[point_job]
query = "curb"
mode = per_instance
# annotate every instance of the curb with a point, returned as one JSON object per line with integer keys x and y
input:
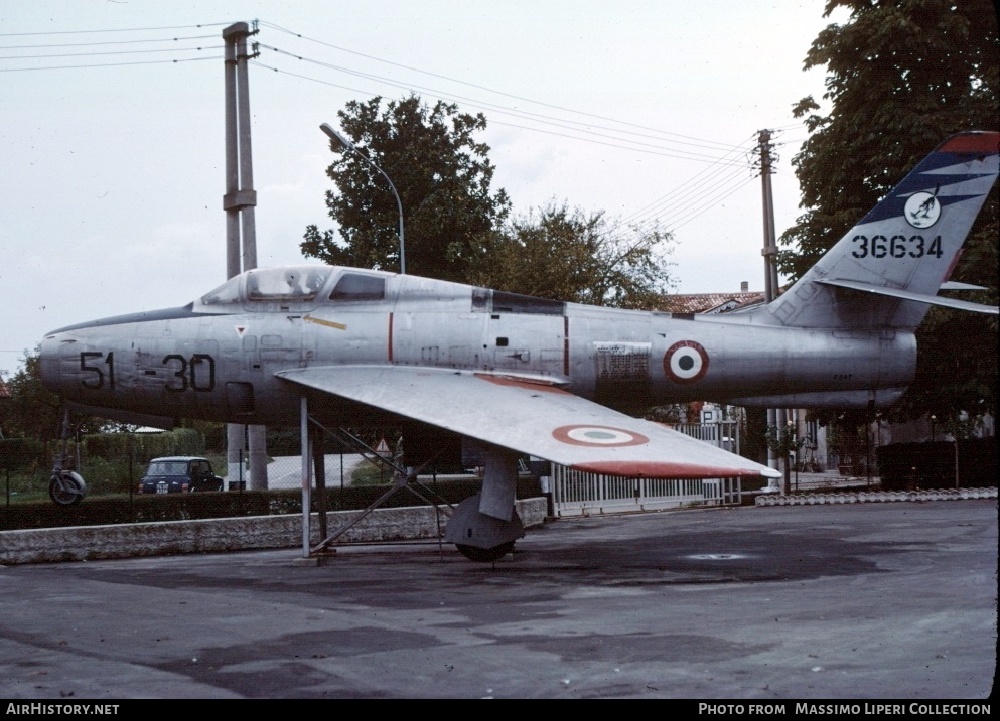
{"x": 941, "y": 494}
{"x": 250, "y": 533}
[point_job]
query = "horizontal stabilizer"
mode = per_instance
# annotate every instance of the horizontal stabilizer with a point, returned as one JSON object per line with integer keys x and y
{"x": 908, "y": 295}
{"x": 955, "y": 285}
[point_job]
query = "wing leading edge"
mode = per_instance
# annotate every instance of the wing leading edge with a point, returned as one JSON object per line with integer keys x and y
{"x": 530, "y": 416}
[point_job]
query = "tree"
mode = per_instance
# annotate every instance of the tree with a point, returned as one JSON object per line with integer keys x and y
{"x": 443, "y": 177}
{"x": 564, "y": 255}
{"x": 31, "y": 411}
{"x": 902, "y": 76}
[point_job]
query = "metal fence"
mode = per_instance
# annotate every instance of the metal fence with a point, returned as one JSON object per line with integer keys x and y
{"x": 581, "y": 493}
{"x": 724, "y": 434}
{"x": 286, "y": 471}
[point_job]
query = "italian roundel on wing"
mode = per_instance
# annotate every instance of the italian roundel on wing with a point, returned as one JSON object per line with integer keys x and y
{"x": 685, "y": 362}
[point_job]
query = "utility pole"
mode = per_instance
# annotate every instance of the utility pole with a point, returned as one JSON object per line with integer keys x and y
{"x": 239, "y": 203}
{"x": 776, "y": 418}
{"x": 770, "y": 251}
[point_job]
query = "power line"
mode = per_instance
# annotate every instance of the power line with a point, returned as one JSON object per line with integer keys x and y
{"x": 638, "y": 146}
{"x": 688, "y": 200}
{"x": 699, "y": 199}
{"x": 574, "y": 128}
{"x": 687, "y": 215}
{"x": 108, "y": 42}
{"x": 111, "y": 30}
{"x": 497, "y": 92}
{"x": 106, "y": 52}
{"x": 106, "y": 65}
{"x": 640, "y": 221}
{"x": 519, "y": 113}
{"x": 681, "y": 192}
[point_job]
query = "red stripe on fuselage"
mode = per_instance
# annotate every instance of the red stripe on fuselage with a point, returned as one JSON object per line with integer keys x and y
{"x": 566, "y": 345}
{"x": 390, "y": 337}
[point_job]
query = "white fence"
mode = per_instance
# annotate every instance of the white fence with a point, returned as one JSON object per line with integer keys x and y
{"x": 724, "y": 434}
{"x": 580, "y": 493}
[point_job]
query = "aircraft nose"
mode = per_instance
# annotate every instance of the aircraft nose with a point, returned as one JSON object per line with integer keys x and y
{"x": 48, "y": 361}
{"x": 59, "y": 360}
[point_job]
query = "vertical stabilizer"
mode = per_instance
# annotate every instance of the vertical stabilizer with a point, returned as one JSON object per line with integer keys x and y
{"x": 904, "y": 248}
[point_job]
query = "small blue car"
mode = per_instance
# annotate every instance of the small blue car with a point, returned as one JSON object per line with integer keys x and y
{"x": 180, "y": 474}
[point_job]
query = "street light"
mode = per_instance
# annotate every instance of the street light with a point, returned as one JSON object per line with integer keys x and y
{"x": 347, "y": 144}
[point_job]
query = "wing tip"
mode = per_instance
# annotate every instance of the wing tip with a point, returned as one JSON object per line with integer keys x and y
{"x": 667, "y": 469}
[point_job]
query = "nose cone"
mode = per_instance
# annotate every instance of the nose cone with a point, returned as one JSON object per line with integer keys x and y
{"x": 48, "y": 361}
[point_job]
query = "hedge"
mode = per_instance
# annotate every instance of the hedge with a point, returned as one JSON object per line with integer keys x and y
{"x": 98, "y": 511}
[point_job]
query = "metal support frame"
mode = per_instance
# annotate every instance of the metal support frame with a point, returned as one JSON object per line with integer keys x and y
{"x": 306, "y": 456}
{"x": 402, "y": 478}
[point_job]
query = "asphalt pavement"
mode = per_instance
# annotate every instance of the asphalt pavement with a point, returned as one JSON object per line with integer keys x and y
{"x": 866, "y": 601}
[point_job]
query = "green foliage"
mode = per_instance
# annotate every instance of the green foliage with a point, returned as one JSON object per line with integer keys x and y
{"x": 956, "y": 368}
{"x": 913, "y": 466}
{"x": 214, "y": 433}
{"x": 111, "y": 463}
{"x": 21, "y": 453}
{"x": 31, "y": 411}
{"x": 443, "y": 177}
{"x": 457, "y": 228}
{"x": 190, "y": 506}
{"x": 143, "y": 446}
{"x": 753, "y": 438}
{"x": 110, "y": 476}
{"x": 902, "y": 77}
{"x": 784, "y": 441}
{"x": 370, "y": 474}
{"x": 563, "y": 255}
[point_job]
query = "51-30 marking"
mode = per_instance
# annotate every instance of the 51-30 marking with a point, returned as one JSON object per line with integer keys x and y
{"x": 196, "y": 373}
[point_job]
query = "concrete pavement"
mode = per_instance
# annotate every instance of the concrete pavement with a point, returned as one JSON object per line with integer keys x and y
{"x": 867, "y": 601}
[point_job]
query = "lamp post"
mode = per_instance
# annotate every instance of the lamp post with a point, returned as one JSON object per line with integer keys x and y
{"x": 348, "y": 145}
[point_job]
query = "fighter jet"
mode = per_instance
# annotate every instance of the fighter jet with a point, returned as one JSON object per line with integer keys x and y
{"x": 518, "y": 375}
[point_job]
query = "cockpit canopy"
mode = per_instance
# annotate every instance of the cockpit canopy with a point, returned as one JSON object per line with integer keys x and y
{"x": 297, "y": 285}
{"x": 294, "y": 284}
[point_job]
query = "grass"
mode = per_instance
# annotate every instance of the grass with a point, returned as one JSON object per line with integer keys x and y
{"x": 369, "y": 474}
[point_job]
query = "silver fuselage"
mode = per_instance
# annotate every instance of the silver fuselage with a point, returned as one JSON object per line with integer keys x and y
{"x": 216, "y": 358}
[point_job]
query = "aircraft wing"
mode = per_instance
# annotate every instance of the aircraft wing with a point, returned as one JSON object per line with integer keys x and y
{"x": 530, "y": 415}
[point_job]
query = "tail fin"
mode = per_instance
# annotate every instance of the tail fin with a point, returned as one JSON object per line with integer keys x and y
{"x": 903, "y": 250}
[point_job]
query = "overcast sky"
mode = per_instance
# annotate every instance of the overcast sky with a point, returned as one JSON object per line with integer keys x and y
{"x": 113, "y": 156}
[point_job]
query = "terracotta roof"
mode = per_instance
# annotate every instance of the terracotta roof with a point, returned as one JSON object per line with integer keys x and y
{"x": 709, "y": 302}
